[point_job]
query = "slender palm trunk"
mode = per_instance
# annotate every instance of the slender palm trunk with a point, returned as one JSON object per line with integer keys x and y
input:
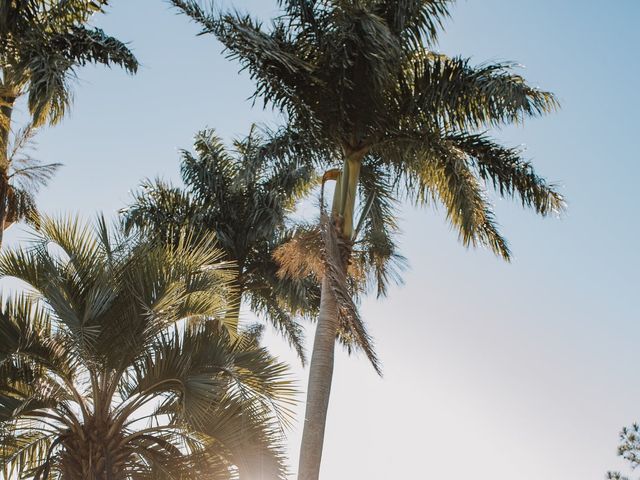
{"x": 322, "y": 358}
{"x": 4, "y": 192}
{"x": 319, "y": 388}
{"x": 6, "y": 110}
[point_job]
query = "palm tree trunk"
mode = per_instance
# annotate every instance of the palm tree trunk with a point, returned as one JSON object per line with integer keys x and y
{"x": 319, "y": 388}
{"x": 321, "y": 366}
{"x": 6, "y": 110}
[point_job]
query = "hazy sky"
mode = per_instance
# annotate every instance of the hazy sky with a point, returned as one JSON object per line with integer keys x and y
{"x": 492, "y": 371}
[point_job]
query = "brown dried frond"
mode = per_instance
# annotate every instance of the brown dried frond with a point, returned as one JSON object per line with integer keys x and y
{"x": 301, "y": 256}
{"x": 336, "y": 254}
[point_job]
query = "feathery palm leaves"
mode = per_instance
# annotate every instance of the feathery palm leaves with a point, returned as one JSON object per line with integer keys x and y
{"x": 42, "y": 43}
{"x": 360, "y": 78}
{"x": 118, "y": 364}
{"x": 243, "y": 197}
{"x": 26, "y": 176}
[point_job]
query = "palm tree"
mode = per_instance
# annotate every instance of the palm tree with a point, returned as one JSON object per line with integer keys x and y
{"x": 361, "y": 79}
{"x": 243, "y": 197}
{"x": 118, "y": 364}
{"x": 42, "y": 43}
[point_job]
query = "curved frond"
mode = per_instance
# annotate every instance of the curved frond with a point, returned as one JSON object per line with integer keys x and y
{"x": 453, "y": 94}
{"x": 117, "y": 325}
{"x": 508, "y": 173}
{"x": 418, "y": 21}
{"x": 43, "y": 43}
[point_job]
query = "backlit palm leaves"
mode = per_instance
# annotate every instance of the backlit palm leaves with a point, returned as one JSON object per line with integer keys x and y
{"x": 360, "y": 78}
{"x": 26, "y": 176}
{"x": 357, "y": 76}
{"x": 42, "y": 43}
{"x": 242, "y": 195}
{"x": 118, "y": 364}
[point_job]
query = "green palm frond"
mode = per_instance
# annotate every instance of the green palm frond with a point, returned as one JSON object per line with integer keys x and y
{"x": 242, "y": 195}
{"x": 352, "y": 330}
{"x": 119, "y": 326}
{"x": 450, "y": 92}
{"x": 262, "y": 303}
{"x": 25, "y": 176}
{"x": 45, "y": 42}
{"x": 359, "y": 82}
{"x": 466, "y": 204}
{"x": 507, "y": 172}
{"x": 417, "y": 21}
{"x": 375, "y": 247}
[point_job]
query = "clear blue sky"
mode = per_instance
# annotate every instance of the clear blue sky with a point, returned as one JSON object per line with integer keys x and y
{"x": 492, "y": 371}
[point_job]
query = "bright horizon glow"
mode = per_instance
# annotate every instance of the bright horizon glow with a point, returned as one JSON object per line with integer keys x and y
{"x": 493, "y": 371}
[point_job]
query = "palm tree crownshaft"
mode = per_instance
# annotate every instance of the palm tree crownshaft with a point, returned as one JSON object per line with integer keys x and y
{"x": 344, "y": 200}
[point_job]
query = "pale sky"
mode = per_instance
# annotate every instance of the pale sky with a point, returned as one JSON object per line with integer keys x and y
{"x": 492, "y": 371}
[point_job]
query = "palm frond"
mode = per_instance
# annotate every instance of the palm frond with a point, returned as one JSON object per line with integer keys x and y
{"x": 119, "y": 324}
{"x": 452, "y": 93}
{"x": 508, "y": 173}
{"x": 279, "y": 316}
{"x": 450, "y": 180}
{"x": 418, "y": 21}
{"x": 42, "y": 46}
{"x": 376, "y": 247}
{"x": 353, "y": 330}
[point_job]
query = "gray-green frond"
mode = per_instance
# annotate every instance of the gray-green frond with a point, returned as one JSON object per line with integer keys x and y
{"x": 508, "y": 173}
{"x": 454, "y": 169}
{"x": 450, "y": 92}
{"x": 267, "y": 55}
{"x": 282, "y": 300}
{"x": 162, "y": 209}
{"x": 467, "y": 206}
{"x": 99, "y": 296}
{"x": 418, "y": 21}
{"x": 26, "y": 175}
{"x": 241, "y": 195}
{"x": 49, "y": 69}
{"x": 43, "y": 43}
{"x": 86, "y": 45}
{"x": 119, "y": 363}
{"x": 375, "y": 245}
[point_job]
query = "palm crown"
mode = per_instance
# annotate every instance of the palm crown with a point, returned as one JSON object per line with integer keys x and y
{"x": 361, "y": 82}
{"x": 42, "y": 43}
{"x": 119, "y": 366}
{"x": 360, "y": 79}
{"x": 243, "y": 197}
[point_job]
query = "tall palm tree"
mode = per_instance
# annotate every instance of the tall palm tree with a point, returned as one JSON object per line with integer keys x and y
{"x": 118, "y": 364}
{"x": 243, "y": 196}
{"x": 42, "y": 43}
{"x": 361, "y": 79}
